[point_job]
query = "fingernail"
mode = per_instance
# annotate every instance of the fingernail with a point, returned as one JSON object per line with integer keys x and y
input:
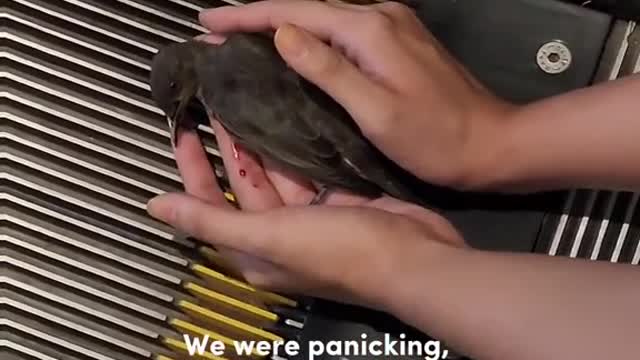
{"x": 205, "y": 12}
{"x": 212, "y": 10}
{"x": 160, "y": 207}
{"x": 152, "y": 205}
{"x": 291, "y": 41}
{"x": 215, "y": 39}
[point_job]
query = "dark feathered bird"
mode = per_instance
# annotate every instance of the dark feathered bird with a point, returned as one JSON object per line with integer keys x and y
{"x": 272, "y": 111}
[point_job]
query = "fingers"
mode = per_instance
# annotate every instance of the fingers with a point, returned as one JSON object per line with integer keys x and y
{"x": 197, "y": 174}
{"x": 286, "y": 236}
{"x": 228, "y": 228}
{"x": 274, "y": 236}
{"x": 248, "y": 180}
{"x": 402, "y": 16}
{"x": 361, "y": 82}
{"x": 432, "y": 221}
{"x": 258, "y": 272}
{"x": 332, "y": 72}
{"x": 212, "y": 38}
{"x": 318, "y": 17}
{"x": 339, "y": 197}
{"x": 283, "y": 236}
{"x": 199, "y": 179}
{"x": 293, "y": 189}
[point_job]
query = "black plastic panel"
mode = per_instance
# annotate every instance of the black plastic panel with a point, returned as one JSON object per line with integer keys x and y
{"x": 498, "y": 40}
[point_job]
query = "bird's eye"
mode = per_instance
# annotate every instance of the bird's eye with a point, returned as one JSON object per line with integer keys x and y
{"x": 172, "y": 84}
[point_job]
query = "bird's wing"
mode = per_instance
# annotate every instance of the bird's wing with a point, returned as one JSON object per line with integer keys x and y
{"x": 274, "y": 117}
{"x": 274, "y": 112}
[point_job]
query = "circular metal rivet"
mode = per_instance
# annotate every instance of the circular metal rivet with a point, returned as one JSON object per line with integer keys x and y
{"x": 554, "y": 57}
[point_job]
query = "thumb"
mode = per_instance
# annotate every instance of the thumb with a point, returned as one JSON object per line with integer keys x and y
{"x": 247, "y": 232}
{"x": 202, "y": 220}
{"x": 331, "y": 71}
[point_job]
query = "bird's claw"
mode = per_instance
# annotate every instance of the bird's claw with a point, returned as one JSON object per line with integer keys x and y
{"x": 173, "y": 131}
{"x": 321, "y": 196}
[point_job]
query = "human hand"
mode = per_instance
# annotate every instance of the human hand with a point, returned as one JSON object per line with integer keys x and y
{"x": 341, "y": 251}
{"x": 408, "y": 95}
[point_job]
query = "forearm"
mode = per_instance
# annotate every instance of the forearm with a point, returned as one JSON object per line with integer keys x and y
{"x": 586, "y": 138}
{"x": 495, "y": 306}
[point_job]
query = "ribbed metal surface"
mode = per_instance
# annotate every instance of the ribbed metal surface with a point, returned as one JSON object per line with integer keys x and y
{"x": 595, "y": 224}
{"x": 86, "y": 273}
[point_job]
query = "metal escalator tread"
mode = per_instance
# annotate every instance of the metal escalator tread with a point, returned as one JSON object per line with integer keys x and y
{"x": 86, "y": 273}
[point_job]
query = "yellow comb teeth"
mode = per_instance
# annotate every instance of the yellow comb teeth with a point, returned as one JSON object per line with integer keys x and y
{"x": 226, "y": 324}
{"x": 181, "y": 347}
{"x": 220, "y": 262}
{"x": 222, "y": 309}
{"x": 189, "y": 328}
{"x": 228, "y": 305}
{"x": 195, "y": 330}
{"x": 162, "y": 357}
{"x": 240, "y": 288}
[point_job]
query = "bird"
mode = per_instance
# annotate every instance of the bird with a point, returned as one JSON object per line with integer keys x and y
{"x": 270, "y": 110}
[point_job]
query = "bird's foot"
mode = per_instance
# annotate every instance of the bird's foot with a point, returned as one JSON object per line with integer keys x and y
{"x": 180, "y": 237}
{"x": 321, "y": 196}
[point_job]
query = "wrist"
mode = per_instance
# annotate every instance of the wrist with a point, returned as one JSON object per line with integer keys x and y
{"x": 414, "y": 272}
{"x": 489, "y": 150}
{"x": 438, "y": 283}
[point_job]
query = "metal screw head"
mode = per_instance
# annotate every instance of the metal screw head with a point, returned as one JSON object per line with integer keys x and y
{"x": 554, "y": 57}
